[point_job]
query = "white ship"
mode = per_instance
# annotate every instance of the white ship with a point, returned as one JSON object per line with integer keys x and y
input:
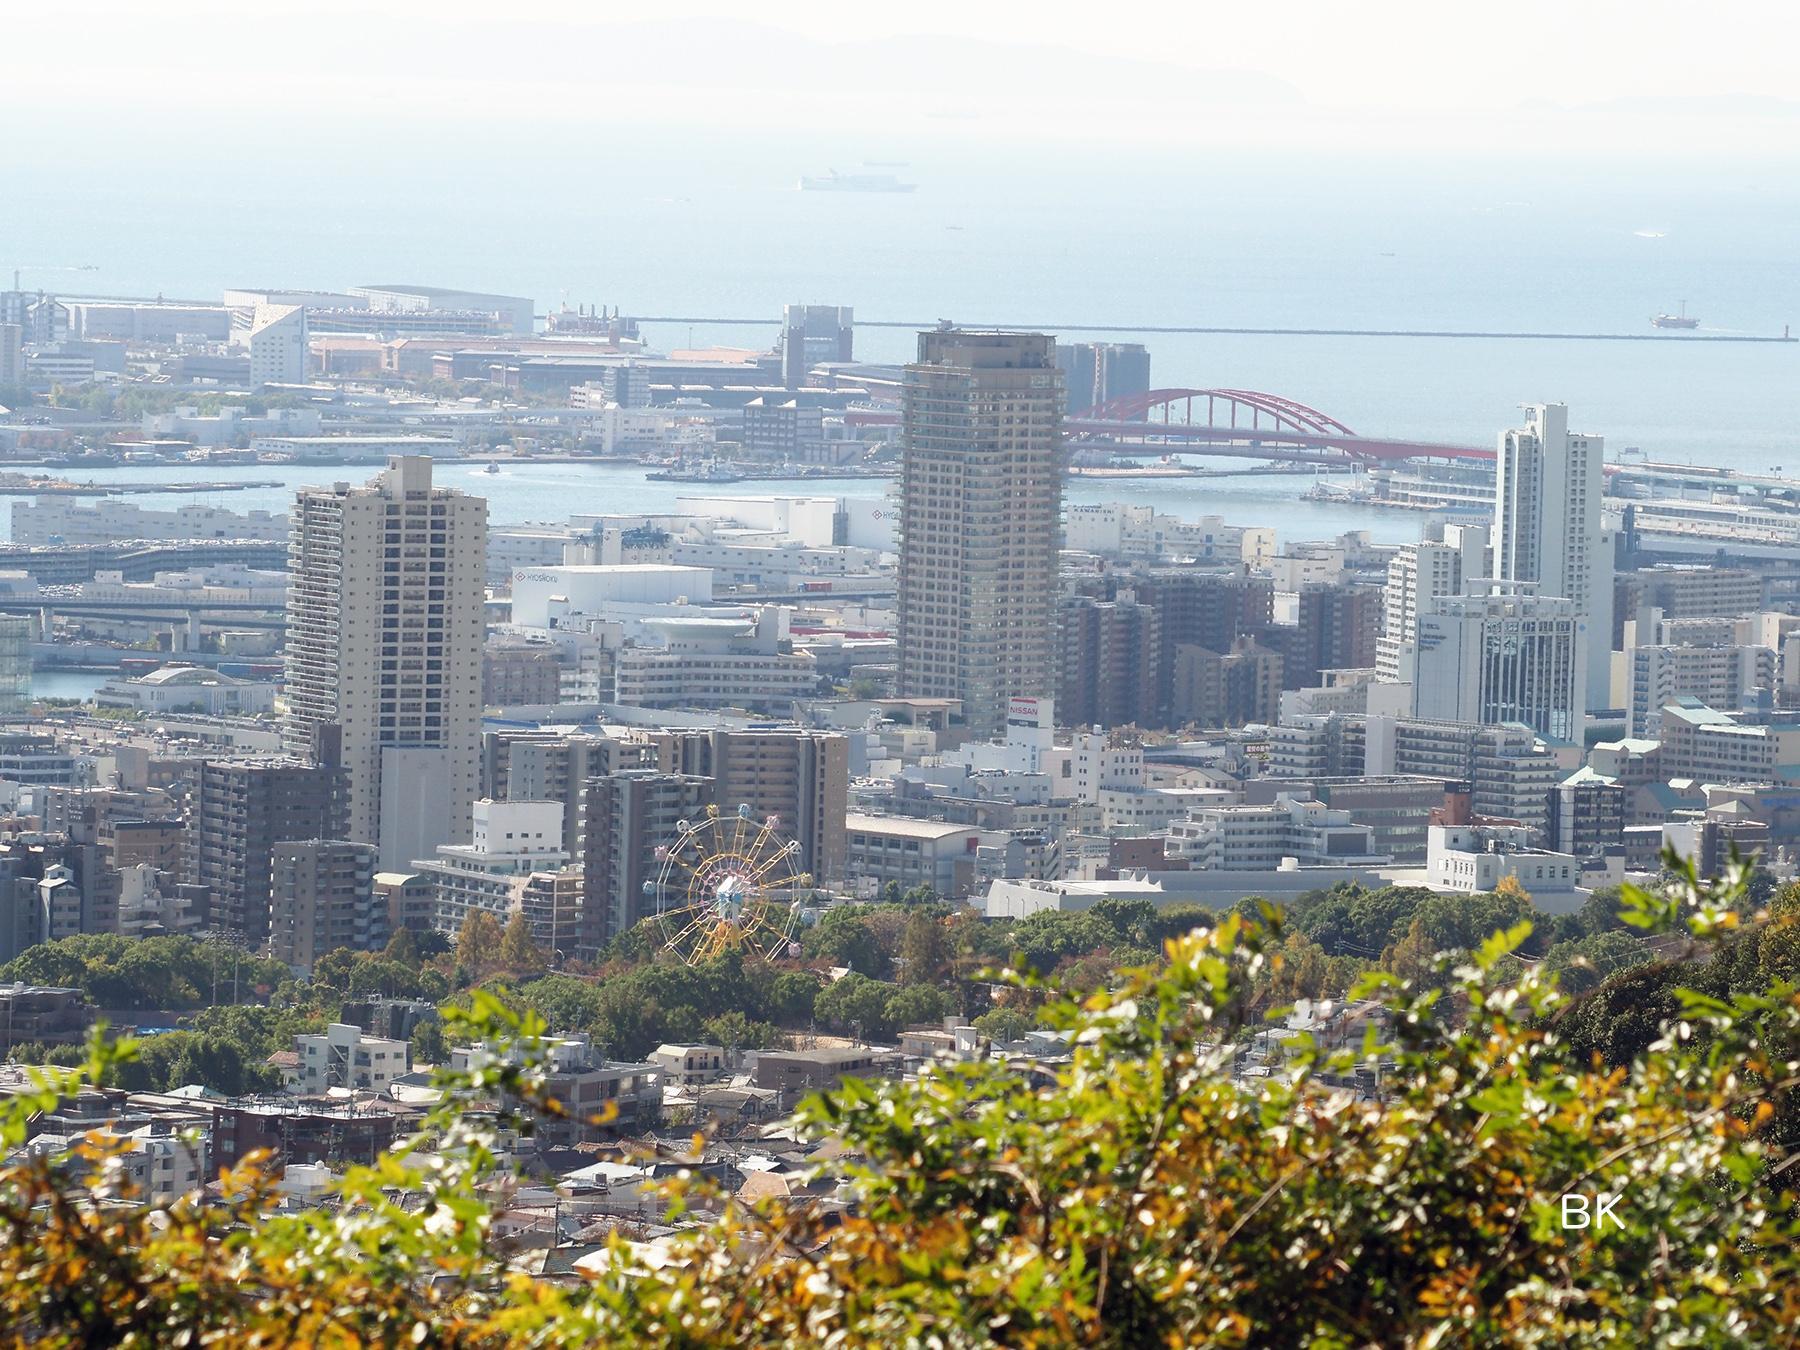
{"x": 834, "y": 181}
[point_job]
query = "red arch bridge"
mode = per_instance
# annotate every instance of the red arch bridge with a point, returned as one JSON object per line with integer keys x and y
{"x": 1241, "y": 424}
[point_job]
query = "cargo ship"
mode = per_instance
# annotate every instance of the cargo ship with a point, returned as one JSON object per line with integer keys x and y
{"x": 1680, "y": 320}
{"x": 833, "y": 181}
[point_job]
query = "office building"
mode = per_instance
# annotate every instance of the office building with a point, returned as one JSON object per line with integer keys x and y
{"x": 322, "y": 897}
{"x": 515, "y": 313}
{"x": 910, "y": 853}
{"x": 1509, "y": 656}
{"x": 385, "y": 629}
{"x": 705, "y": 662}
{"x": 783, "y": 430}
{"x": 519, "y": 672}
{"x": 1587, "y": 815}
{"x": 980, "y": 521}
{"x": 629, "y": 815}
{"x": 278, "y": 350}
{"x": 1108, "y": 657}
{"x": 1548, "y": 532}
{"x": 802, "y": 778}
{"x": 241, "y": 810}
{"x": 1720, "y": 676}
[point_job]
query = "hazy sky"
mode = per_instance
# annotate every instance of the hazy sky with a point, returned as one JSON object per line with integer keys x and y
{"x": 1643, "y": 75}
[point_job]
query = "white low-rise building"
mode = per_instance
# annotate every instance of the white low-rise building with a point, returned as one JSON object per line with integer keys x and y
{"x": 188, "y": 689}
{"x": 514, "y": 863}
{"x": 1293, "y": 830}
{"x": 1472, "y": 860}
{"x": 716, "y": 663}
{"x": 346, "y": 1056}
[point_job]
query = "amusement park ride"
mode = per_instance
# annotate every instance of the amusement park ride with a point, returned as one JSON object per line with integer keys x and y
{"x": 727, "y": 882}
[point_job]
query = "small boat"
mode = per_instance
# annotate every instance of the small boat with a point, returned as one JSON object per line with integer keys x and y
{"x": 492, "y": 467}
{"x": 1680, "y": 320}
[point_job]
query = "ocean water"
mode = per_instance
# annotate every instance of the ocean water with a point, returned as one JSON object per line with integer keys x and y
{"x": 657, "y": 225}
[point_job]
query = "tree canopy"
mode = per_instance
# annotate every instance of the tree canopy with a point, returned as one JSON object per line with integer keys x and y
{"x": 1144, "y": 1192}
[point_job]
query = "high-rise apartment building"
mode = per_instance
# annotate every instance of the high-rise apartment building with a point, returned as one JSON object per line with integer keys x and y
{"x": 811, "y": 334}
{"x": 1547, "y": 529}
{"x": 802, "y": 778}
{"x": 1339, "y": 628}
{"x": 1720, "y": 675}
{"x": 629, "y": 815}
{"x": 980, "y": 521}
{"x": 385, "y": 625}
{"x": 322, "y": 897}
{"x": 12, "y": 356}
{"x": 1202, "y": 609}
{"x": 1417, "y": 576}
{"x": 1109, "y": 652}
{"x": 1098, "y": 372}
{"x": 241, "y": 810}
{"x": 1510, "y": 656}
{"x": 1226, "y": 689}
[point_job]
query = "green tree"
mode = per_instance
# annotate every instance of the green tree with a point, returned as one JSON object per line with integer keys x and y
{"x": 734, "y": 1031}
{"x": 914, "y": 1005}
{"x": 403, "y": 947}
{"x": 1004, "y": 1025}
{"x": 856, "y": 1004}
{"x": 924, "y": 951}
{"x": 428, "y": 1043}
{"x": 478, "y": 942}
{"x": 1136, "y": 1194}
{"x": 843, "y": 936}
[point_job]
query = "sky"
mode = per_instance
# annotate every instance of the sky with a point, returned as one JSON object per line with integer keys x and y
{"x": 1645, "y": 77}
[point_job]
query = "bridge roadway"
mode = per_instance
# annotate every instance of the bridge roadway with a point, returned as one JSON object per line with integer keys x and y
{"x": 155, "y": 611}
{"x": 1281, "y": 446}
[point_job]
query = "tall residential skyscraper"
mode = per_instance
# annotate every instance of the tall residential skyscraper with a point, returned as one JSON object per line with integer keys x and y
{"x": 385, "y": 625}
{"x": 1417, "y": 576}
{"x": 980, "y": 521}
{"x": 1547, "y": 528}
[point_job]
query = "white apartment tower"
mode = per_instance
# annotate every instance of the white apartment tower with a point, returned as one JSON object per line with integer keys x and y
{"x": 1547, "y": 528}
{"x": 1417, "y": 576}
{"x": 385, "y": 627}
{"x": 278, "y": 345}
{"x": 980, "y": 521}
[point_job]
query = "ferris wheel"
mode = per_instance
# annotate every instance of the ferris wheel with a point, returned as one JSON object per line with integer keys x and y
{"x": 724, "y": 882}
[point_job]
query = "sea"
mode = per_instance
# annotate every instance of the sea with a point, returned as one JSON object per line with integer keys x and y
{"x": 1057, "y": 237}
